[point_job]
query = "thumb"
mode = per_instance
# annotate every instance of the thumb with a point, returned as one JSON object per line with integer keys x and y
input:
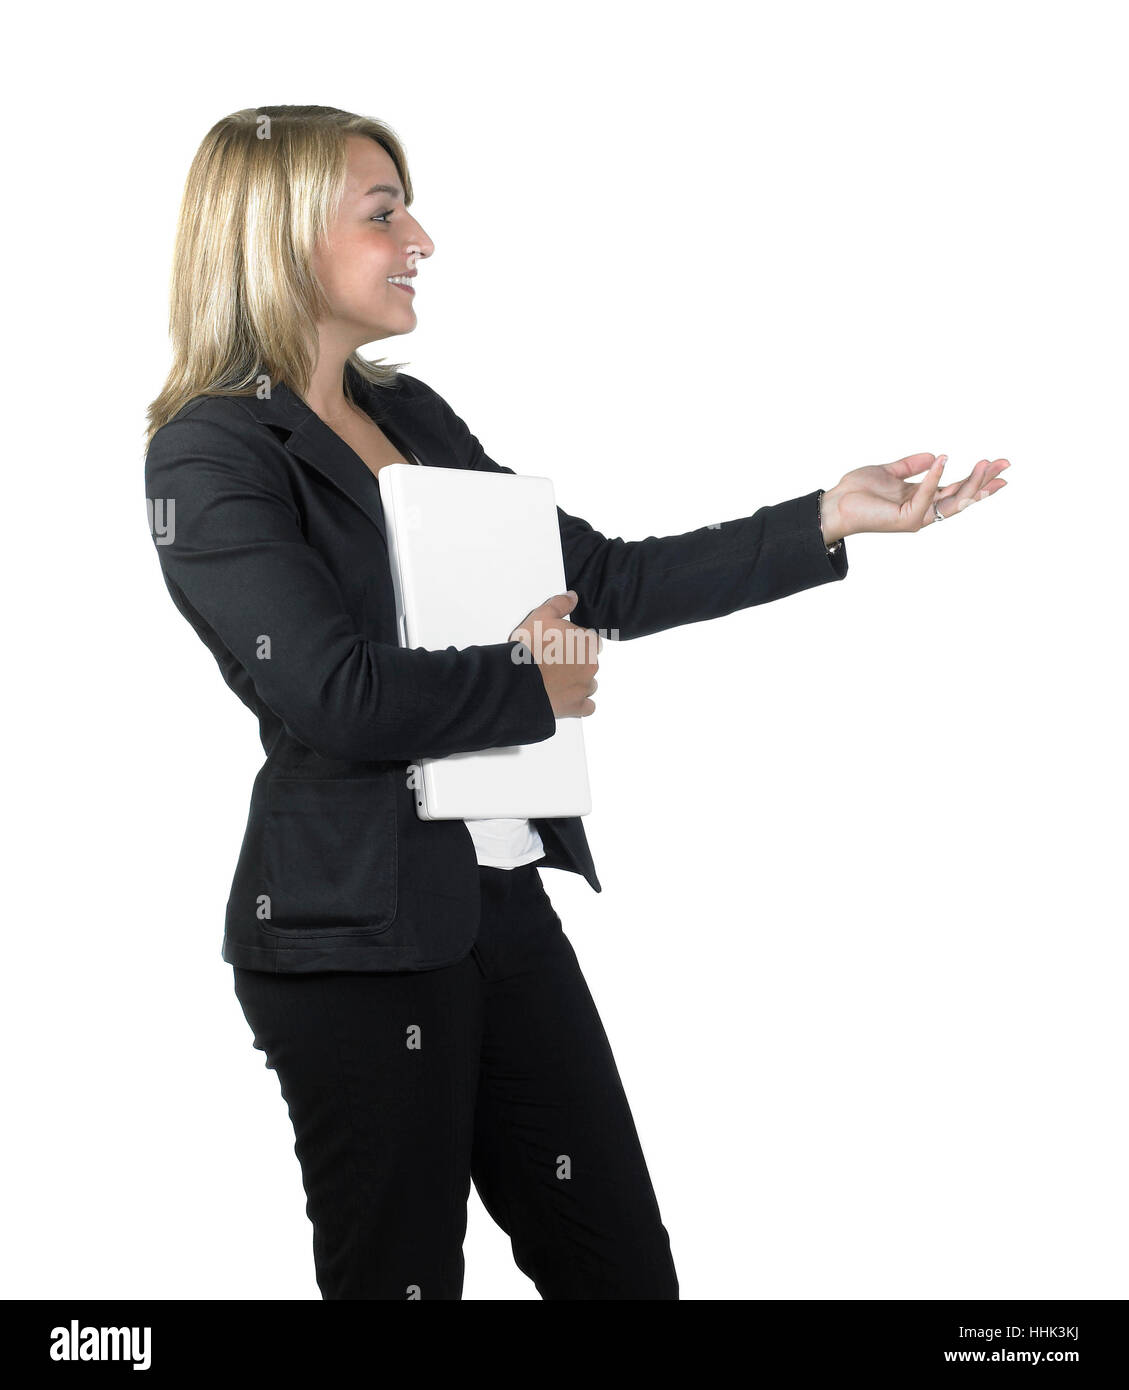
{"x": 562, "y": 604}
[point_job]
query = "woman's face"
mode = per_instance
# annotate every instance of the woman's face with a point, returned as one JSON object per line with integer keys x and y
{"x": 373, "y": 237}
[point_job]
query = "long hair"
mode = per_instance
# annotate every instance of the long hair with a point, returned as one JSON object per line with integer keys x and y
{"x": 262, "y": 191}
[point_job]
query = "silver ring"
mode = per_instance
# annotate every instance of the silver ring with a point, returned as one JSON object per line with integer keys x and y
{"x": 937, "y": 512}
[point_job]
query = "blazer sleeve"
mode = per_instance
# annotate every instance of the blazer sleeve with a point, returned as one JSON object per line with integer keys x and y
{"x": 239, "y": 558}
{"x": 629, "y": 589}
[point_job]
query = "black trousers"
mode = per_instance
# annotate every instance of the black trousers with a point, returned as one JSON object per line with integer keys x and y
{"x": 404, "y": 1087}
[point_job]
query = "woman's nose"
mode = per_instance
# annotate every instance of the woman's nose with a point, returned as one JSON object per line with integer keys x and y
{"x": 415, "y": 250}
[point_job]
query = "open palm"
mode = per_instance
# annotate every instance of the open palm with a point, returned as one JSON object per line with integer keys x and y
{"x": 879, "y": 497}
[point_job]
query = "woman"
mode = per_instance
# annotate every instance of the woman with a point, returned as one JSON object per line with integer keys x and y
{"x": 409, "y": 980}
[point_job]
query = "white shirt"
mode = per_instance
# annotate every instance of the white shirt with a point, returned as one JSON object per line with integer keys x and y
{"x": 505, "y": 844}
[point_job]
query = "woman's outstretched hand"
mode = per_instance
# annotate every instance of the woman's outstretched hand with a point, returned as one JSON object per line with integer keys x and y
{"x": 878, "y": 498}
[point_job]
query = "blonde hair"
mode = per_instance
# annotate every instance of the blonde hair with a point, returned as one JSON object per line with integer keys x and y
{"x": 262, "y": 191}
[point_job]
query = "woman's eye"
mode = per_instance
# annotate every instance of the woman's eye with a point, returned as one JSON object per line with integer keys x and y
{"x": 379, "y": 215}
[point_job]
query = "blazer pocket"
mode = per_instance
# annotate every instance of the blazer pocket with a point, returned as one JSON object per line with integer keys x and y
{"x": 330, "y": 855}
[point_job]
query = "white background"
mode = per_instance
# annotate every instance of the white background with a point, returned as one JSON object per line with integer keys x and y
{"x": 861, "y": 946}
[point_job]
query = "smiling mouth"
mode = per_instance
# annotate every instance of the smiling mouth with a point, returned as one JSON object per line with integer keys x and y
{"x": 402, "y": 283}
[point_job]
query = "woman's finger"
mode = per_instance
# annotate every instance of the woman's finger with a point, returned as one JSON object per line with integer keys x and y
{"x": 974, "y": 489}
{"x": 981, "y": 483}
{"x": 981, "y": 477}
{"x": 979, "y": 486}
{"x": 986, "y": 491}
{"x": 923, "y": 494}
{"x": 951, "y": 489}
{"x": 965, "y": 491}
{"x": 911, "y": 465}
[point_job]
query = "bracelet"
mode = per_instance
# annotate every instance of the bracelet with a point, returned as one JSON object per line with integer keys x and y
{"x": 831, "y": 549}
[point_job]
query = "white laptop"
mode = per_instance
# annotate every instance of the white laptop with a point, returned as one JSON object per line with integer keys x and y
{"x": 471, "y": 554}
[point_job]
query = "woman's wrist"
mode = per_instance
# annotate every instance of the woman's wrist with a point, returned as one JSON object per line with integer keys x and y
{"x": 829, "y": 517}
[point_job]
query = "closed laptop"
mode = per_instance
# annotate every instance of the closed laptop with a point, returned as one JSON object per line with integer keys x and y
{"x": 471, "y": 554}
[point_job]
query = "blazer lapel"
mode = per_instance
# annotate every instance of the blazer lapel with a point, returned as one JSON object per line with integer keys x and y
{"x": 310, "y": 439}
{"x": 316, "y": 444}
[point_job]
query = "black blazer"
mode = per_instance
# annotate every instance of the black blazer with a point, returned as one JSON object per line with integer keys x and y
{"x": 275, "y": 552}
